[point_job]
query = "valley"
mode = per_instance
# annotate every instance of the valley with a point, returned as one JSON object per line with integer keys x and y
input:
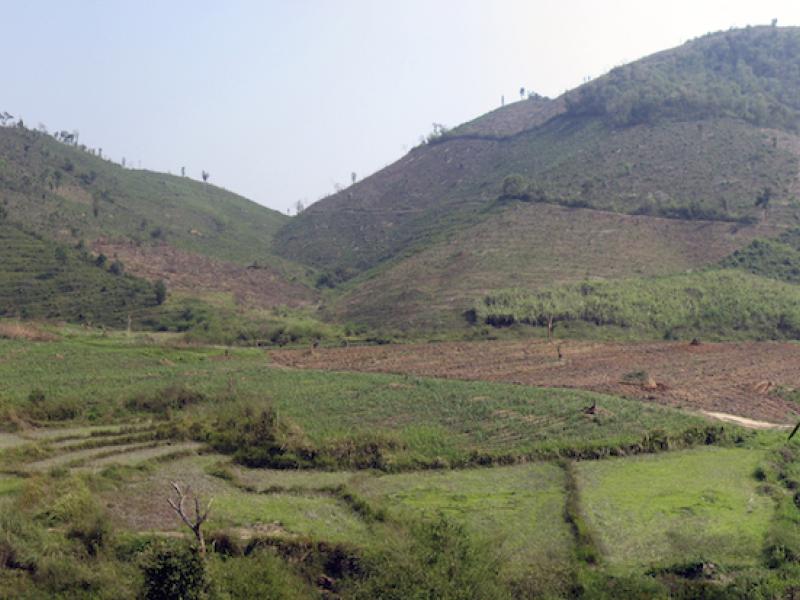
{"x": 552, "y": 352}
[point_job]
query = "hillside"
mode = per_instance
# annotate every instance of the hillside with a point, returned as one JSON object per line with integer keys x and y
{"x": 195, "y": 236}
{"x": 576, "y": 151}
{"x": 43, "y": 279}
{"x": 531, "y": 245}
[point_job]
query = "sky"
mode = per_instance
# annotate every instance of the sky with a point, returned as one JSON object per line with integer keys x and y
{"x": 281, "y": 100}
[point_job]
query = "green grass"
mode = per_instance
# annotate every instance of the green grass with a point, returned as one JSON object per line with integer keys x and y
{"x": 413, "y": 420}
{"x": 517, "y": 510}
{"x": 695, "y": 505}
{"x": 10, "y": 485}
{"x": 723, "y": 304}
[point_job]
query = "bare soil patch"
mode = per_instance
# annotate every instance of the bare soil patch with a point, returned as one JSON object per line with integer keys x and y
{"x": 718, "y": 377}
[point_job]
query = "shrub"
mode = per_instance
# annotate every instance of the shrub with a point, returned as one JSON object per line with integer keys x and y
{"x": 260, "y": 575}
{"x": 160, "y": 289}
{"x": 439, "y": 560}
{"x": 117, "y": 268}
{"x": 173, "y": 570}
{"x": 92, "y": 530}
{"x": 224, "y": 543}
{"x": 174, "y": 397}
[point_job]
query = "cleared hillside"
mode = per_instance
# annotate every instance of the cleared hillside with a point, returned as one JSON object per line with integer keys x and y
{"x": 68, "y": 193}
{"x": 532, "y": 245}
{"x": 576, "y": 151}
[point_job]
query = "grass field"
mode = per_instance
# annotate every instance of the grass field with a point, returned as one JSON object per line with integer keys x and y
{"x": 413, "y": 421}
{"x": 127, "y": 416}
{"x": 518, "y": 510}
{"x": 691, "y": 506}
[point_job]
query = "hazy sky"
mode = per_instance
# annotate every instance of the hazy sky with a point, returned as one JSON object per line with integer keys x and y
{"x": 280, "y": 100}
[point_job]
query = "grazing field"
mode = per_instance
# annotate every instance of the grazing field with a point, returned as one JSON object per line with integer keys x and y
{"x": 740, "y": 378}
{"x": 692, "y": 506}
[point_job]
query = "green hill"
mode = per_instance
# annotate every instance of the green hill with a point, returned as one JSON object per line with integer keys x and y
{"x": 69, "y": 193}
{"x": 203, "y": 241}
{"x": 576, "y": 151}
{"x": 42, "y": 279}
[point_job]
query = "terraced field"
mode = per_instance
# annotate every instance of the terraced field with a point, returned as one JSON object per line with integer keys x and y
{"x": 88, "y": 448}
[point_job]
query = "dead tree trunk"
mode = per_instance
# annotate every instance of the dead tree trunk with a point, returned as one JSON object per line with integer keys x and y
{"x": 550, "y": 330}
{"x": 195, "y": 523}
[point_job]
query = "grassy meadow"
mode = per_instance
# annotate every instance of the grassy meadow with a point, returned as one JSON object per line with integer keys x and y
{"x": 363, "y": 483}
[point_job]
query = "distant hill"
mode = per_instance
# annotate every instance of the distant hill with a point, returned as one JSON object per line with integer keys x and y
{"x": 695, "y": 132}
{"x": 197, "y": 237}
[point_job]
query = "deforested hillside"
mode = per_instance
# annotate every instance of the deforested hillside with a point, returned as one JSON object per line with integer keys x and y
{"x": 531, "y": 245}
{"x": 705, "y": 131}
{"x": 66, "y": 191}
{"x": 197, "y": 237}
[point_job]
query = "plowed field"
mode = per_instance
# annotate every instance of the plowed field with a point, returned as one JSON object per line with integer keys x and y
{"x": 748, "y": 378}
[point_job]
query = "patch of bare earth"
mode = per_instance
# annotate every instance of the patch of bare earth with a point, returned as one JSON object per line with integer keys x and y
{"x": 738, "y": 378}
{"x": 261, "y": 287}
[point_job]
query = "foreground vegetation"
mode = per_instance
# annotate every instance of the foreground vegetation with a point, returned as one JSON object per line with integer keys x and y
{"x": 366, "y": 486}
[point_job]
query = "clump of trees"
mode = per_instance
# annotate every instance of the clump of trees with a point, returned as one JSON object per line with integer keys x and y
{"x": 748, "y": 74}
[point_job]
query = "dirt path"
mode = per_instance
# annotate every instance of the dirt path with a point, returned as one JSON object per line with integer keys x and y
{"x": 741, "y": 378}
{"x": 744, "y": 421}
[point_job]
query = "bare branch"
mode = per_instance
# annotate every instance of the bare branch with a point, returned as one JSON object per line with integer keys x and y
{"x": 199, "y": 517}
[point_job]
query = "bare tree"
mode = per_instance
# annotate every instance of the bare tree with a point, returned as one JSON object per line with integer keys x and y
{"x": 353, "y": 177}
{"x": 522, "y": 93}
{"x": 183, "y": 171}
{"x": 194, "y": 523}
{"x": 299, "y": 207}
{"x": 206, "y": 175}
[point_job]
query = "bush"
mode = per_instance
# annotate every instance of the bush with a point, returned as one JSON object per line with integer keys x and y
{"x": 260, "y": 575}
{"x": 92, "y": 530}
{"x": 440, "y": 560}
{"x": 173, "y": 570}
{"x": 174, "y": 397}
{"x": 160, "y": 289}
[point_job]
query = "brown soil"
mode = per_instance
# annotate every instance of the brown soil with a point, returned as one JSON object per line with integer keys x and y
{"x": 720, "y": 377}
{"x": 262, "y": 287}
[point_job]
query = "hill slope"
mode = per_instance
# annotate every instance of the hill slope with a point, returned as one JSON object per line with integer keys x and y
{"x": 67, "y": 192}
{"x": 188, "y": 230}
{"x": 531, "y": 245}
{"x": 578, "y": 151}
{"x": 42, "y": 279}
